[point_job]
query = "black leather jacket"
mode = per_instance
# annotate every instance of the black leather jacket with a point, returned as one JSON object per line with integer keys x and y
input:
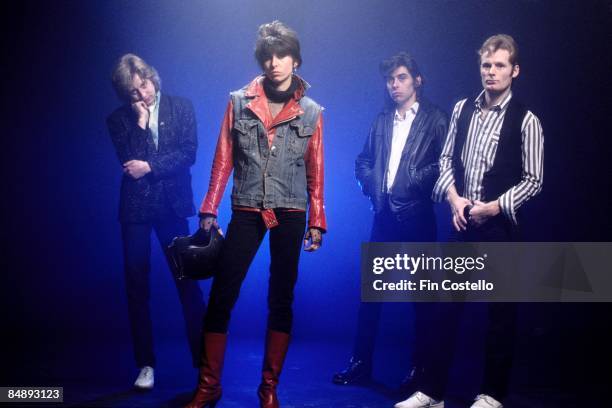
{"x": 418, "y": 169}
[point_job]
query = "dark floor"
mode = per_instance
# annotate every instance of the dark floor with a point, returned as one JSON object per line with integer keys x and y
{"x": 100, "y": 374}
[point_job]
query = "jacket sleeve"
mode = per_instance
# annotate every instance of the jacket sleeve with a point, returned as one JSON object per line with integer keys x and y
{"x": 168, "y": 164}
{"x": 364, "y": 163}
{"x": 314, "y": 178}
{"x": 426, "y": 176}
{"x": 223, "y": 163}
{"x": 124, "y": 136}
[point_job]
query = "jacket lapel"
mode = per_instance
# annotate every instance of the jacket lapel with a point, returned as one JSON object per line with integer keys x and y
{"x": 162, "y": 121}
{"x": 388, "y": 136}
{"x": 415, "y": 136}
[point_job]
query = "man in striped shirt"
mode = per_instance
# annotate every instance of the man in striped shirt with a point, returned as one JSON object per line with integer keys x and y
{"x": 491, "y": 164}
{"x": 478, "y": 161}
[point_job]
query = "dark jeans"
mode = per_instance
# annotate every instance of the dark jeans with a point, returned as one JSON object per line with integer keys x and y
{"x": 387, "y": 227}
{"x": 440, "y": 322}
{"x": 502, "y": 316}
{"x": 245, "y": 233}
{"x": 436, "y": 328}
{"x": 137, "y": 254}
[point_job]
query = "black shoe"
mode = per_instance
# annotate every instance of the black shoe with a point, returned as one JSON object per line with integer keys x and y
{"x": 356, "y": 372}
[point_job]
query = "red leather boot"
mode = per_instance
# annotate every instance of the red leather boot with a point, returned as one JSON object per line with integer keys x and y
{"x": 208, "y": 392}
{"x": 277, "y": 344}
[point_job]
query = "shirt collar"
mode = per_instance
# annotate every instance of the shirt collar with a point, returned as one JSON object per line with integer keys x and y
{"x": 156, "y": 104}
{"x": 479, "y": 101}
{"x": 413, "y": 110}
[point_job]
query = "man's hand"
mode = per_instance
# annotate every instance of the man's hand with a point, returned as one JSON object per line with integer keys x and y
{"x": 313, "y": 240}
{"x": 457, "y": 205}
{"x": 207, "y": 222}
{"x": 136, "y": 168}
{"x": 142, "y": 113}
{"x": 481, "y": 212}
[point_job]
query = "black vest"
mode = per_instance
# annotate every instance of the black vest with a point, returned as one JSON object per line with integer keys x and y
{"x": 508, "y": 162}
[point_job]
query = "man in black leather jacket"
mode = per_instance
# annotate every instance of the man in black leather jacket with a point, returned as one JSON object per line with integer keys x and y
{"x": 155, "y": 138}
{"x": 397, "y": 170}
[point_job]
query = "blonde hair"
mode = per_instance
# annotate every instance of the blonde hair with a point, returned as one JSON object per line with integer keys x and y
{"x": 124, "y": 71}
{"x": 503, "y": 42}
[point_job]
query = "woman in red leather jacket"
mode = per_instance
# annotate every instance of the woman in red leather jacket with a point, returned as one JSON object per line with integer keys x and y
{"x": 271, "y": 137}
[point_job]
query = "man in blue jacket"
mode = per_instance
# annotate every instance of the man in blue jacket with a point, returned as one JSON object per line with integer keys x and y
{"x": 155, "y": 139}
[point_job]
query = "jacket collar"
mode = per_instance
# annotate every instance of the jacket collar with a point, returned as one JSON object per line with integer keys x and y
{"x": 255, "y": 87}
{"x": 259, "y": 102}
{"x": 415, "y": 136}
{"x": 164, "y": 109}
{"x": 424, "y": 105}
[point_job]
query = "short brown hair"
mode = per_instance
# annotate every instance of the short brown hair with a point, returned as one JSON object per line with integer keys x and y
{"x": 503, "y": 42}
{"x": 124, "y": 71}
{"x": 276, "y": 38}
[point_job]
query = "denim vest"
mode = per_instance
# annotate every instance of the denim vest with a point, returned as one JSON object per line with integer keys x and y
{"x": 270, "y": 177}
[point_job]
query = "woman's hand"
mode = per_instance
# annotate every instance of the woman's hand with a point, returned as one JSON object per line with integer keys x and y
{"x": 313, "y": 240}
{"x": 210, "y": 221}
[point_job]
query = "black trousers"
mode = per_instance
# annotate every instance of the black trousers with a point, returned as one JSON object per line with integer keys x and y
{"x": 502, "y": 316}
{"x": 388, "y": 227}
{"x": 440, "y": 322}
{"x": 137, "y": 266}
{"x": 245, "y": 233}
{"x": 436, "y": 326}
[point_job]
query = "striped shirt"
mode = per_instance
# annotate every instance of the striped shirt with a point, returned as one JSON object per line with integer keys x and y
{"x": 479, "y": 153}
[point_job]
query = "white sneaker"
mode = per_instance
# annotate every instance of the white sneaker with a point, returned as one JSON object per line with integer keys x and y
{"x": 420, "y": 400}
{"x": 486, "y": 401}
{"x": 145, "y": 379}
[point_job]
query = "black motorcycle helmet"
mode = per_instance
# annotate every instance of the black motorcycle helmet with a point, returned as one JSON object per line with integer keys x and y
{"x": 195, "y": 256}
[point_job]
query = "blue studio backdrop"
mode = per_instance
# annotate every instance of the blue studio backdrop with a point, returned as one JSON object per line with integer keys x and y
{"x": 64, "y": 278}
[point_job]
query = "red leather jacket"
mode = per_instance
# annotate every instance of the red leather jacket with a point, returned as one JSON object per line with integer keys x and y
{"x": 313, "y": 157}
